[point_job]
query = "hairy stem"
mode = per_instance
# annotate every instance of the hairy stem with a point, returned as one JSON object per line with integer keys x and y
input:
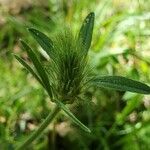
{"x": 36, "y": 134}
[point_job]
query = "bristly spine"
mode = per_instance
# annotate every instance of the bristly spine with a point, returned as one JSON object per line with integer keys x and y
{"x": 69, "y": 70}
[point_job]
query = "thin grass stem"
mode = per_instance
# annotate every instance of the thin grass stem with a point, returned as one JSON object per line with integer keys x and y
{"x": 36, "y": 134}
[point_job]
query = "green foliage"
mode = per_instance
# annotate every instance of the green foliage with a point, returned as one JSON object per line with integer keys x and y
{"x": 86, "y": 31}
{"x": 27, "y": 66}
{"x": 68, "y": 68}
{"x": 120, "y": 46}
{"x": 121, "y": 84}
{"x": 43, "y": 40}
{"x": 41, "y": 71}
{"x": 68, "y": 72}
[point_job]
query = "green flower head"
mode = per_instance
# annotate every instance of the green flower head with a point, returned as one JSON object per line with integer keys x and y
{"x": 68, "y": 69}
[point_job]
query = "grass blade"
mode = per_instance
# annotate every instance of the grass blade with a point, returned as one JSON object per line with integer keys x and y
{"x": 43, "y": 40}
{"x": 86, "y": 31}
{"x": 41, "y": 71}
{"x": 121, "y": 84}
{"x": 71, "y": 116}
{"x": 28, "y": 68}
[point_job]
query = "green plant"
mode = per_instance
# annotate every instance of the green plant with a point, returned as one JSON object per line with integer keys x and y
{"x": 66, "y": 75}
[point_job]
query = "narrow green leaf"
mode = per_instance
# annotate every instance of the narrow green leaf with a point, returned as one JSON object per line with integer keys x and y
{"x": 71, "y": 116}
{"x": 121, "y": 84}
{"x": 44, "y": 41}
{"x": 86, "y": 31}
{"x": 29, "y": 68}
{"x": 41, "y": 71}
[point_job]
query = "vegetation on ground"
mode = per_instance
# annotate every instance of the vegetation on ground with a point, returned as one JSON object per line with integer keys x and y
{"x": 120, "y": 46}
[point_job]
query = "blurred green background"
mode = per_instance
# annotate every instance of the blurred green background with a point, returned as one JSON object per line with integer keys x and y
{"x": 120, "y": 46}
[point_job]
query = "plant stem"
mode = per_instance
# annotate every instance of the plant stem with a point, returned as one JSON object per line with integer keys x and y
{"x": 36, "y": 134}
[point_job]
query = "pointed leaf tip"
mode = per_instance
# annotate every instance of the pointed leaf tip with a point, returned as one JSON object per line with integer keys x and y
{"x": 86, "y": 31}
{"x": 91, "y": 14}
{"x": 44, "y": 41}
{"x": 32, "y": 30}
